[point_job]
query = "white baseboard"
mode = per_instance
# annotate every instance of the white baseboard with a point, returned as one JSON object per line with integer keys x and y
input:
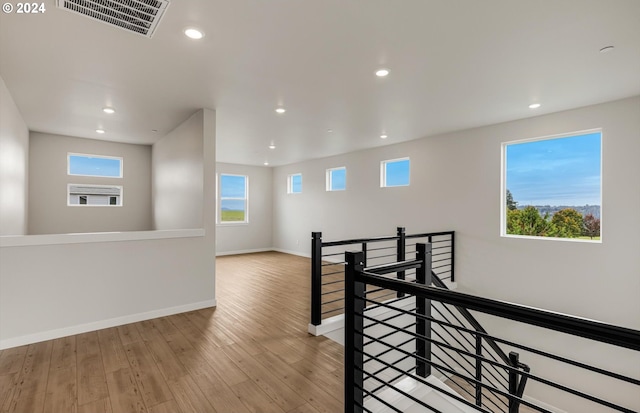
{"x": 220, "y": 254}
{"x": 99, "y": 325}
{"x": 328, "y": 325}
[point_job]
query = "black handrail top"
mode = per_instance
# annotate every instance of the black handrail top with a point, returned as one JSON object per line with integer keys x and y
{"x": 359, "y": 241}
{"x": 582, "y": 327}
{"x": 381, "y": 239}
{"x": 394, "y": 267}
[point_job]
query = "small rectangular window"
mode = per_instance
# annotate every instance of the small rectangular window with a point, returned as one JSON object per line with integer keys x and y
{"x": 94, "y": 195}
{"x": 233, "y": 198}
{"x": 294, "y": 184}
{"x": 552, "y": 187}
{"x": 395, "y": 172}
{"x": 337, "y": 179}
{"x": 94, "y": 165}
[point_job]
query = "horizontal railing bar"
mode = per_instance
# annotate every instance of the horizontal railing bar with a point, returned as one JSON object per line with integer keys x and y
{"x": 333, "y": 311}
{"x": 333, "y": 254}
{"x": 392, "y": 380}
{"x": 443, "y": 344}
{"x": 371, "y": 257}
{"x": 470, "y": 379}
{"x": 387, "y": 304}
{"x": 393, "y": 267}
{"x": 332, "y": 273}
{"x": 333, "y": 282}
{"x": 387, "y": 295}
{"x": 423, "y": 381}
{"x": 332, "y": 292}
{"x": 381, "y": 248}
{"x": 507, "y": 342}
{"x": 597, "y": 331}
{"x": 430, "y": 234}
{"x": 333, "y": 301}
{"x": 358, "y": 241}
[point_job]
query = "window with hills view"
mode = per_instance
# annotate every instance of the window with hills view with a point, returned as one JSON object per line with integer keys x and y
{"x": 553, "y": 187}
{"x": 233, "y": 198}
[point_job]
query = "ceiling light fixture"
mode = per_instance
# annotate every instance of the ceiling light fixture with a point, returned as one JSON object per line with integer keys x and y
{"x": 194, "y": 34}
{"x": 383, "y": 136}
{"x": 100, "y": 131}
{"x": 266, "y": 164}
{"x": 607, "y": 49}
{"x": 281, "y": 110}
{"x": 382, "y": 72}
{"x": 534, "y": 106}
{"x": 329, "y": 130}
{"x": 272, "y": 146}
{"x": 109, "y": 110}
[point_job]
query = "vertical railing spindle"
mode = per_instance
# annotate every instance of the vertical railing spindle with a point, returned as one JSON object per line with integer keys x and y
{"x": 423, "y": 308}
{"x": 316, "y": 278}
{"x": 401, "y": 252}
{"x": 478, "y": 370}
{"x": 364, "y": 254}
{"x": 453, "y": 254}
{"x": 353, "y": 338}
{"x": 513, "y": 382}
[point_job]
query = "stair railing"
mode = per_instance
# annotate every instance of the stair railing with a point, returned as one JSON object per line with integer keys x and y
{"x": 404, "y": 343}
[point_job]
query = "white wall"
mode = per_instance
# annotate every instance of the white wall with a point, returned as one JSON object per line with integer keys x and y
{"x": 14, "y": 163}
{"x": 52, "y": 290}
{"x": 256, "y": 234}
{"x": 455, "y": 185}
{"x": 177, "y": 181}
{"x": 48, "y": 179}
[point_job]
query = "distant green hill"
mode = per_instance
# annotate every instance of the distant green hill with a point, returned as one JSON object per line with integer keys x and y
{"x": 552, "y": 209}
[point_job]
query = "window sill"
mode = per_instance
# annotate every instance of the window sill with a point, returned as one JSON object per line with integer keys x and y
{"x": 81, "y": 238}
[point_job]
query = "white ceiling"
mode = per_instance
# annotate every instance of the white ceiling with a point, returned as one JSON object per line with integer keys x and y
{"x": 455, "y": 64}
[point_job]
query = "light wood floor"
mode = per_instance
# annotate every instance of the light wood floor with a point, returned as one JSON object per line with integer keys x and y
{"x": 250, "y": 354}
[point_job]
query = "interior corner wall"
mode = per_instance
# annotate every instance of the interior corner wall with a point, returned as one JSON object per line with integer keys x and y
{"x": 455, "y": 185}
{"x": 14, "y": 163}
{"x": 256, "y": 234}
{"x": 177, "y": 176}
{"x": 49, "y": 212}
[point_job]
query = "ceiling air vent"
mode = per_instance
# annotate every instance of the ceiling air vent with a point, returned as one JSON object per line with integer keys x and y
{"x": 138, "y": 16}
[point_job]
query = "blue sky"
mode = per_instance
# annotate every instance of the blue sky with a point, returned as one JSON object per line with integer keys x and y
{"x": 338, "y": 179}
{"x": 562, "y": 171}
{"x": 398, "y": 173}
{"x": 86, "y": 165}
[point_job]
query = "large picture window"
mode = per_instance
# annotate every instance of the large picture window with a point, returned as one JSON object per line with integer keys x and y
{"x": 233, "y": 198}
{"x": 94, "y": 165}
{"x": 552, "y": 187}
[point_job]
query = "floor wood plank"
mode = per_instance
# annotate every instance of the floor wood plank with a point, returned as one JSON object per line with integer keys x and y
{"x": 250, "y": 354}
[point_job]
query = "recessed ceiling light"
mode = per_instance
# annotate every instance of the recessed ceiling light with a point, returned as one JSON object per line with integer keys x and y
{"x": 534, "y": 106}
{"x": 281, "y": 110}
{"x": 382, "y": 72}
{"x": 109, "y": 110}
{"x": 383, "y": 136}
{"x": 607, "y": 49}
{"x": 329, "y": 130}
{"x": 272, "y": 146}
{"x": 266, "y": 164}
{"x": 100, "y": 131}
{"x": 193, "y": 33}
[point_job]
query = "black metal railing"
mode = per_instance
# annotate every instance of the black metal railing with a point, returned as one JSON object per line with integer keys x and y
{"x": 407, "y": 341}
{"x": 327, "y": 265}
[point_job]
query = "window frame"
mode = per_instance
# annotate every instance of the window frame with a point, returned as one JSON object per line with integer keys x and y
{"x": 503, "y": 184}
{"x": 221, "y": 198}
{"x": 87, "y": 204}
{"x": 383, "y": 172}
{"x": 86, "y": 155}
{"x": 290, "y": 189}
{"x": 329, "y": 179}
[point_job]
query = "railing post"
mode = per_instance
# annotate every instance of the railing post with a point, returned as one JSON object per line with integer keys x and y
{"x": 423, "y": 308}
{"x": 513, "y": 382}
{"x": 364, "y": 254}
{"x": 316, "y": 278}
{"x": 453, "y": 256}
{"x": 353, "y": 334}
{"x": 401, "y": 250}
{"x": 478, "y": 370}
